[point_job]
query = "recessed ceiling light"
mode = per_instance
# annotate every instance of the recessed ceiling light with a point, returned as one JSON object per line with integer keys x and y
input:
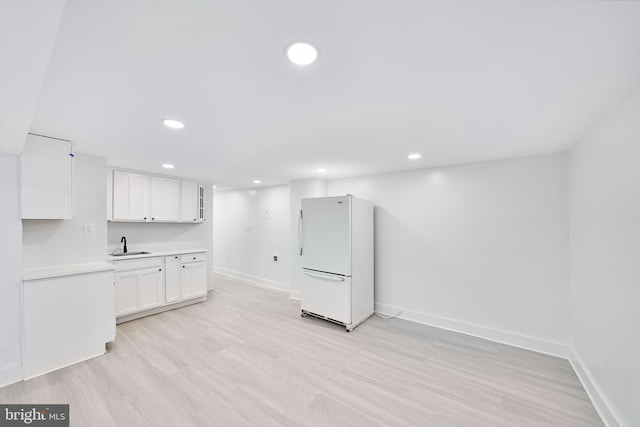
{"x": 302, "y": 52}
{"x": 214, "y": 186}
{"x": 414, "y": 156}
{"x": 257, "y": 181}
{"x": 168, "y": 166}
{"x": 322, "y": 170}
{"x": 173, "y": 124}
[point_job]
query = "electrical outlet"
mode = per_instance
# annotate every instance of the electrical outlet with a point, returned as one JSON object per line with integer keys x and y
{"x": 275, "y": 258}
{"x": 89, "y": 229}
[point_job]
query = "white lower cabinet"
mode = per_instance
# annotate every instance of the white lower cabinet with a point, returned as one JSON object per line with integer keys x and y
{"x": 172, "y": 291}
{"x": 126, "y": 293}
{"x": 139, "y": 285}
{"x": 194, "y": 279}
{"x": 149, "y": 285}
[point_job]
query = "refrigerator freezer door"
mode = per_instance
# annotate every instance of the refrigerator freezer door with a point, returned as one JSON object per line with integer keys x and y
{"x": 326, "y": 234}
{"x": 327, "y": 295}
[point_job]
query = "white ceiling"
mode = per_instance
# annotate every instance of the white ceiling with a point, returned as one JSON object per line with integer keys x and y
{"x": 458, "y": 81}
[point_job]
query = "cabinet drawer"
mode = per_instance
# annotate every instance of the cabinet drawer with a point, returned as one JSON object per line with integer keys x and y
{"x": 193, "y": 257}
{"x": 137, "y": 264}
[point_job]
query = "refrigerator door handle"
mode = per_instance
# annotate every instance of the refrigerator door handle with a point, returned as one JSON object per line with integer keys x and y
{"x": 324, "y": 276}
{"x": 300, "y": 240}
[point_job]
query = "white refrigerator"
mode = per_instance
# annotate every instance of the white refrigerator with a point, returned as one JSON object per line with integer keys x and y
{"x": 336, "y": 245}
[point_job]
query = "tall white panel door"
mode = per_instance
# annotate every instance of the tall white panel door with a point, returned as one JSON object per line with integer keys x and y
{"x": 126, "y": 293}
{"x": 172, "y": 280}
{"x": 188, "y": 206}
{"x": 130, "y": 196}
{"x": 150, "y": 286}
{"x": 194, "y": 280}
{"x": 201, "y": 202}
{"x": 165, "y": 199}
{"x": 325, "y": 237}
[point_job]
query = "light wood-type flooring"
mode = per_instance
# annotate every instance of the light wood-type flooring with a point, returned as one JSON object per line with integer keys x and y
{"x": 246, "y": 357}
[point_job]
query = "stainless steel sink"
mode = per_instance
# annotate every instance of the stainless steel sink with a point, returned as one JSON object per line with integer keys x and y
{"x": 131, "y": 253}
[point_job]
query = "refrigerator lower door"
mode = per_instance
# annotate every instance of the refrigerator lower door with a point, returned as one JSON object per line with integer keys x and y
{"x": 326, "y": 295}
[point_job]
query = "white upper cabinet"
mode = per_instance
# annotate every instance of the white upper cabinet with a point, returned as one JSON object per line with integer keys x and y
{"x": 46, "y": 178}
{"x": 165, "y": 199}
{"x": 201, "y": 199}
{"x": 130, "y": 196}
{"x": 189, "y": 205}
{"x": 136, "y": 196}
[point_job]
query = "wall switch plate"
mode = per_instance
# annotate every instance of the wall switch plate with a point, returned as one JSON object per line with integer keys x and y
{"x": 90, "y": 229}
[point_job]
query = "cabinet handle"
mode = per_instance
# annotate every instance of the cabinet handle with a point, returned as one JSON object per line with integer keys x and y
{"x": 159, "y": 269}
{"x": 145, "y": 217}
{"x": 175, "y": 257}
{"x": 194, "y": 257}
{"x": 194, "y": 219}
{"x": 183, "y": 266}
{"x": 153, "y": 219}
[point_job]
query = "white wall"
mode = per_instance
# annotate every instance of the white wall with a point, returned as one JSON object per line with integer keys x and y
{"x": 250, "y": 227}
{"x": 604, "y": 207}
{"x": 150, "y": 236}
{"x": 478, "y": 248}
{"x": 11, "y": 268}
{"x": 62, "y": 242}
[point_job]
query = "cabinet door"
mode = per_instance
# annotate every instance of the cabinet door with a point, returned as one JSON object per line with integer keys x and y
{"x": 200, "y": 278}
{"x": 172, "y": 269}
{"x": 194, "y": 280}
{"x": 126, "y": 293}
{"x": 201, "y": 201}
{"x": 188, "y": 206}
{"x": 165, "y": 199}
{"x": 150, "y": 286}
{"x": 130, "y": 196}
{"x": 46, "y": 178}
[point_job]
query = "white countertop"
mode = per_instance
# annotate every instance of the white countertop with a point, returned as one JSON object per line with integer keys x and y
{"x": 163, "y": 252}
{"x": 65, "y": 270}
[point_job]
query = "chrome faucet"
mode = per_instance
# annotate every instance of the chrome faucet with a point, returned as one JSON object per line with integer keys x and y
{"x": 124, "y": 239}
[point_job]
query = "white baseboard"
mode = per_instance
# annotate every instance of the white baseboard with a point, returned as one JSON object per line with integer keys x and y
{"x": 594, "y": 392}
{"x": 260, "y": 281}
{"x": 101, "y": 351}
{"x": 294, "y": 295}
{"x": 10, "y": 375}
{"x": 504, "y": 337}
